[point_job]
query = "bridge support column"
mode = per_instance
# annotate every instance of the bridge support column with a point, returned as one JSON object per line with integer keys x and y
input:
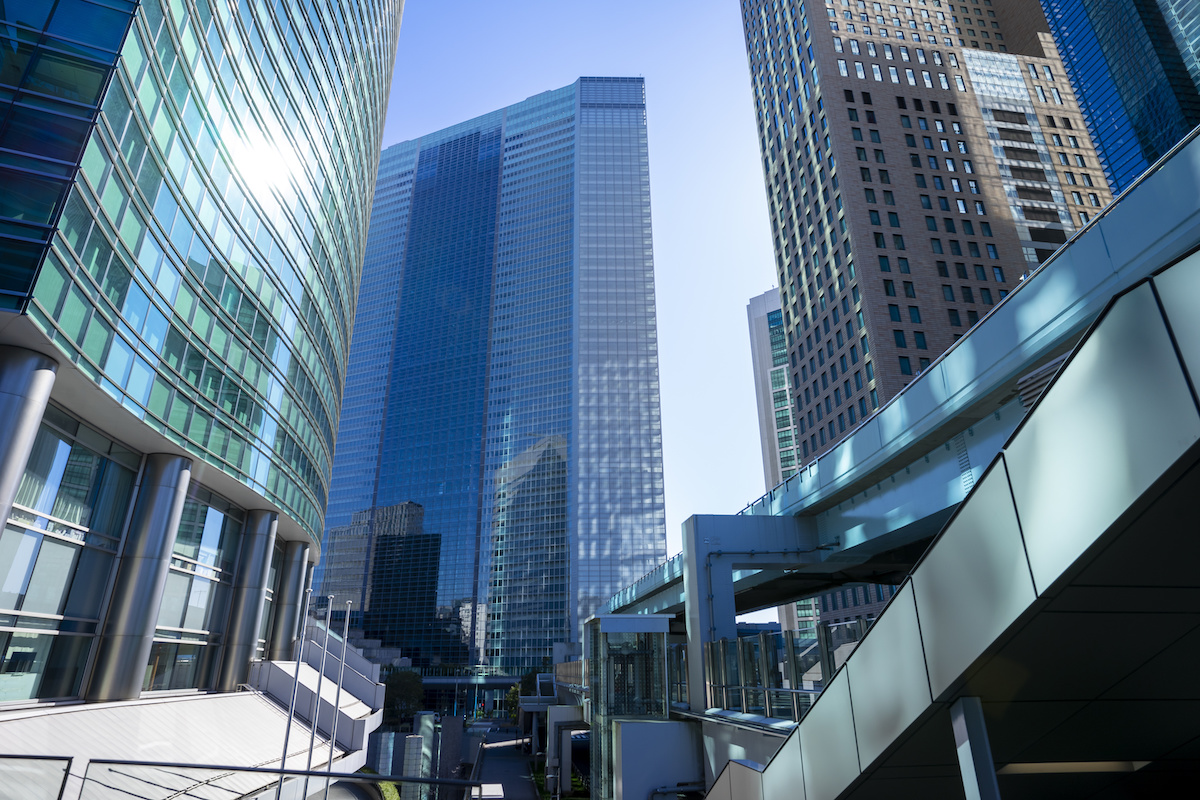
{"x": 714, "y": 546}
{"x": 974, "y": 751}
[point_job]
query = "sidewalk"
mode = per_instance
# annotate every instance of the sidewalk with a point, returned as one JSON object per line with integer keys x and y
{"x": 505, "y": 764}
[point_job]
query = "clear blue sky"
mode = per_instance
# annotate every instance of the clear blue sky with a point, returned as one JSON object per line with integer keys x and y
{"x": 458, "y": 59}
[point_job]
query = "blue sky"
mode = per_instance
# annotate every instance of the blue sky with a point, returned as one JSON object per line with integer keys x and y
{"x": 458, "y": 59}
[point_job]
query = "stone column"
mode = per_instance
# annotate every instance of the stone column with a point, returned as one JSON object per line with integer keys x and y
{"x": 128, "y": 630}
{"x": 288, "y": 601}
{"x": 26, "y": 379}
{"x": 249, "y": 593}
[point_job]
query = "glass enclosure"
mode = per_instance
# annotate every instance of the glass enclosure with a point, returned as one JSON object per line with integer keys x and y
{"x": 195, "y": 602}
{"x": 56, "y": 556}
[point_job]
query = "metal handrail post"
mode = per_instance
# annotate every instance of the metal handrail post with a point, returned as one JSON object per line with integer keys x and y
{"x": 287, "y": 732}
{"x": 312, "y": 738}
{"x": 337, "y": 698}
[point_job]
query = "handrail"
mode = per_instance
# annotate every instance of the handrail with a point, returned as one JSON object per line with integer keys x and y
{"x": 287, "y": 773}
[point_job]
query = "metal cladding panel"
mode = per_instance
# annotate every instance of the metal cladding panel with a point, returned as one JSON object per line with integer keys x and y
{"x": 974, "y": 582}
{"x": 827, "y": 740}
{"x": 854, "y": 450}
{"x": 745, "y": 782}
{"x": 919, "y": 400}
{"x": 1178, "y": 288}
{"x": 1164, "y": 202}
{"x": 1117, "y": 417}
{"x": 721, "y": 789}
{"x": 888, "y": 677}
{"x": 785, "y": 778}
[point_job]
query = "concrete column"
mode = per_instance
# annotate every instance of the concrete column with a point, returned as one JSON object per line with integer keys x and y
{"x": 249, "y": 593}
{"x": 288, "y": 601}
{"x": 128, "y": 631}
{"x": 974, "y": 751}
{"x": 26, "y": 379}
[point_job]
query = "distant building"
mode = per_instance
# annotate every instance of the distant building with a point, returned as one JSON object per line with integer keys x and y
{"x": 1135, "y": 67}
{"x": 504, "y": 377}
{"x": 768, "y": 358}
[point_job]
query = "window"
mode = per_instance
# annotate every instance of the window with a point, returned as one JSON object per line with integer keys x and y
{"x": 948, "y": 292}
{"x": 979, "y": 209}
{"x": 914, "y": 315}
{"x": 879, "y": 158}
{"x": 889, "y": 199}
{"x": 986, "y": 296}
{"x": 998, "y": 274}
{"x": 942, "y": 270}
{"x": 960, "y": 269}
{"x": 860, "y": 153}
{"x": 909, "y": 289}
{"x": 874, "y": 216}
{"x": 931, "y": 223}
{"x": 856, "y": 134}
{"x": 980, "y": 273}
{"x": 968, "y": 296}
{"x": 889, "y": 288}
{"x": 880, "y": 242}
{"x": 894, "y": 313}
{"x": 955, "y": 320}
{"x": 1094, "y": 199}
{"x": 905, "y": 366}
{"x": 893, "y": 219}
{"x": 902, "y": 263}
{"x": 870, "y": 194}
{"x": 994, "y": 253}
{"x": 936, "y": 244}
{"x": 884, "y": 177}
{"x": 920, "y": 179}
{"x": 853, "y": 114}
{"x": 898, "y": 240}
{"x": 911, "y": 141}
{"x": 874, "y": 135}
{"x": 919, "y": 340}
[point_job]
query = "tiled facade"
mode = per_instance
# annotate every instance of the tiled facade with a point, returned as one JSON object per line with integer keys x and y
{"x": 916, "y": 169}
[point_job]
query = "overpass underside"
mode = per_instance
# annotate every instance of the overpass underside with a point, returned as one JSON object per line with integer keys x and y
{"x": 1062, "y": 599}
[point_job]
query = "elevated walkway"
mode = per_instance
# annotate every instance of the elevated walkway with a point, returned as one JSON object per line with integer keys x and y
{"x": 1061, "y": 599}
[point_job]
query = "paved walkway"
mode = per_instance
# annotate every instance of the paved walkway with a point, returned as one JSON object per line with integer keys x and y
{"x": 505, "y": 764}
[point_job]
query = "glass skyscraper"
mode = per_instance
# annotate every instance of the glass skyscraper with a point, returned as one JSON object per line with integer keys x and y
{"x": 503, "y": 380}
{"x": 1136, "y": 68}
{"x": 184, "y": 195}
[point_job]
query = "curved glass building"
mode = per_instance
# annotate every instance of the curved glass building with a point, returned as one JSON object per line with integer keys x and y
{"x": 185, "y": 187}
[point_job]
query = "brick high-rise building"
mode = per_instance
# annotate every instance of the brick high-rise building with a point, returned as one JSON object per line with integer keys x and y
{"x": 919, "y": 158}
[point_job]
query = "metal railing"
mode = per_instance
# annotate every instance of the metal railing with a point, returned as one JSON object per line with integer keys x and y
{"x": 37, "y": 777}
{"x": 774, "y": 675}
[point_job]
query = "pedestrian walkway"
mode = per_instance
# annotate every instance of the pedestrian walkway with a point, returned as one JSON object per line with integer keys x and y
{"x": 505, "y": 764}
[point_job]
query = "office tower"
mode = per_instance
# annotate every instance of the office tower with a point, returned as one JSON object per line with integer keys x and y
{"x": 504, "y": 376}
{"x": 1136, "y": 69}
{"x": 181, "y": 233}
{"x": 916, "y": 167}
{"x": 768, "y": 358}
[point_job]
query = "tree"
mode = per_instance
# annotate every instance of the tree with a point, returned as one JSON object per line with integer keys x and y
{"x": 512, "y": 703}
{"x": 403, "y": 697}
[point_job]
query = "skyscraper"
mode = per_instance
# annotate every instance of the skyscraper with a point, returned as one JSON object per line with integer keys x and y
{"x": 1136, "y": 68}
{"x": 504, "y": 377}
{"x": 919, "y": 158}
{"x": 768, "y": 359}
{"x": 183, "y": 208}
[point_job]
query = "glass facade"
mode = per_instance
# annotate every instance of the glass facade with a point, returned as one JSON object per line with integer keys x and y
{"x": 56, "y": 553}
{"x": 507, "y": 318}
{"x": 185, "y": 187}
{"x": 1134, "y": 67}
{"x": 206, "y": 265}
